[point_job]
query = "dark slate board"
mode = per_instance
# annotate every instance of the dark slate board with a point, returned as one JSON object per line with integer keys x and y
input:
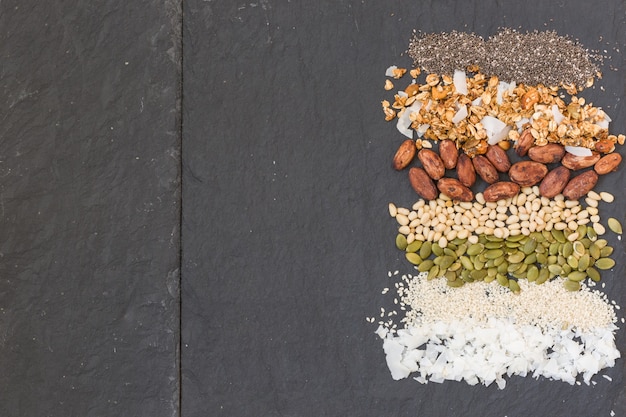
{"x": 89, "y": 208}
{"x": 286, "y": 237}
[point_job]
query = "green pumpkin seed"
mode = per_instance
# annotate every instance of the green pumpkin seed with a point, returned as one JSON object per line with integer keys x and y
{"x": 489, "y": 279}
{"x": 503, "y": 268}
{"x": 493, "y": 245}
{"x": 555, "y": 269}
{"x": 532, "y": 273}
{"x": 466, "y": 262}
{"x": 433, "y": 273}
{"x": 543, "y": 276}
{"x": 426, "y": 249}
{"x": 516, "y": 238}
{"x": 593, "y": 274}
{"x": 554, "y": 248}
{"x": 529, "y": 246}
{"x": 461, "y": 249}
{"x": 572, "y": 261}
{"x": 414, "y": 246}
{"x": 450, "y": 276}
{"x": 449, "y": 252}
{"x": 452, "y": 246}
{"x": 517, "y": 257}
{"x": 455, "y": 266}
{"x": 601, "y": 243}
{"x": 594, "y": 251}
{"x": 492, "y": 238}
{"x": 512, "y": 245}
{"x": 531, "y": 259}
{"x": 567, "y": 249}
{"x": 456, "y": 283}
{"x": 492, "y": 272}
{"x": 437, "y": 250}
{"x": 445, "y": 261}
{"x": 582, "y": 230}
{"x": 426, "y": 265}
{"x": 414, "y": 258}
{"x": 586, "y": 242}
{"x": 494, "y": 253}
{"x": 584, "y": 262}
{"x": 579, "y": 248}
{"x": 577, "y": 275}
{"x": 615, "y": 225}
{"x": 475, "y": 249}
{"x": 559, "y": 236}
{"x": 542, "y": 258}
{"x": 566, "y": 269}
{"x": 490, "y": 263}
{"x": 605, "y": 263}
{"x": 478, "y": 274}
{"x": 514, "y": 286}
{"x": 571, "y": 285}
{"x": 478, "y": 264}
{"x": 591, "y": 234}
{"x": 606, "y": 251}
{"x": 502, "y": 280}
{"x": 401, "y": 242}
{"x": 465, "y": 276}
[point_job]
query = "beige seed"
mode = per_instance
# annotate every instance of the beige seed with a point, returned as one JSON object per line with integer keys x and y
{"x": 595, "y": 218}
{"x": 591, "y": 202}
{"x": 572, "y": 236}
{"x": 525, "y": 231}
{"x": 472, "y": 239}
{"x": 598, "y": 228}
{"x": 480, "y": 198}
{"x": 607, "y": 197}
{"x": 402, "y": 219}
{"x": 405, "y": 230}
{"x": 415, "y": 223}
{"x": 393, "y": 210}
{"x": 572, "y": 225}
{"x": 410, "y": 238}
{"x": 412, "y": 215}
{"x": 592, "y": 210}
{"x": 594, "y": 196}
{"x": 560, "y": 226}
{"x": 403, "y": 210}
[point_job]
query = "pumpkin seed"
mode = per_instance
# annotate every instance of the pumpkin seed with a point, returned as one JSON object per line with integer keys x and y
{"x": 437, "y": 250}
{"x": 572, "y": 261}
{"x": 414, "y": 258}
{"x": 450, "y": 276}
{"x": 461, "y": 249}
{"x": 559, "y": 236}
{"x": 531, "y": 259}
{"x": 426, "y": 249}
{"x": 502, "y": 280}
{"x": 492, "y": 272}
{"x": 433, "y": 273}
{"x": 503, "y": 268}
{"x": 489, "y": 279}
{"x": 516, "y": 257}
{"x": 554, "y": 248}
{"x": 571, "y": 285}
{"x": 593, "y": 274}
{"x": 515, "y": 238}
{"x": 584, "y": 262}
{"x": 579, "y": 248}
{"x": 466, "y": 262}
{"x": 594, "y": 251}
{"x": 426, "y": 265}
{"x": 455, "y": 266}
{"x": 414, "y": 246}
{"x": 601, "y": 243}
{"x": 542, "y": 258}
{"x": 567, "y": 249}
{"x": 514, "y": 286}
{"x": 456, "y": 283}
{"x": 577, "y": 275}
{"x": 493, "y": 245}
{"x": 591, "y": 234}
{"x": 475, "y": 249}
{"x": 543, "y": 276}
{"x": 445, "y": 261}
{"x": 606, "y": 251}
{"x": 494, "y": 253}
{"x": 401, "y": 242}
{"x": 449, "y": 252}
{"x": 615, "y": 225}
{"x": 586, "y": 242}
{"x": 478, "y": 274}
{"x": 532, "y": 273}
{"x": 605, "y": 263}
{"x": 529, "y": 246}
{"x": 555, "y": 269}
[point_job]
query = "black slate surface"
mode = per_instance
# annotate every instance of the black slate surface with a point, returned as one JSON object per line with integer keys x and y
{"x": 89, "y": 208}
{"x": 286, "y": 179}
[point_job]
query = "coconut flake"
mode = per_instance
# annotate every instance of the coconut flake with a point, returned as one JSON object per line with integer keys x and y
{"x": 496, "y": 129}
{"x": 460, "y": 82}
{"x": 389, "y": 72}
{"x": 578, "y": 150}
{"x": 557, "y": 115}
{"x": 460, "y": 115}
{"x": 404, "y": 121}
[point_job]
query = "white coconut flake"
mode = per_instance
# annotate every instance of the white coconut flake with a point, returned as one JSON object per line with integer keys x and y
{"x": 404, "y": 120}
{"x": 460, "y": 115}
{"x": 578, "y": 150}
{"x": 496, "y": 129}
{"x": 389, "y": 72}
{"x": 460, "y": 82}
{"x": 556, "y": 114}
{"x": 483, "y": 333}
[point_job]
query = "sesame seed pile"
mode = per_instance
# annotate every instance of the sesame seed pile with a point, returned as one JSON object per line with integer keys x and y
{"x": 530, "y": 58}
{"x": 547, "y": 306}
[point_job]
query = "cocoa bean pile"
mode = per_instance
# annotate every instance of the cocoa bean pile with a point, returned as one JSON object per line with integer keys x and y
{"x": 454, "y": 173}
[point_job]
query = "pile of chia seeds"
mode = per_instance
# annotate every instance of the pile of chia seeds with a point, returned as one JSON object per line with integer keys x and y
{"x": 530, "y": 58}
